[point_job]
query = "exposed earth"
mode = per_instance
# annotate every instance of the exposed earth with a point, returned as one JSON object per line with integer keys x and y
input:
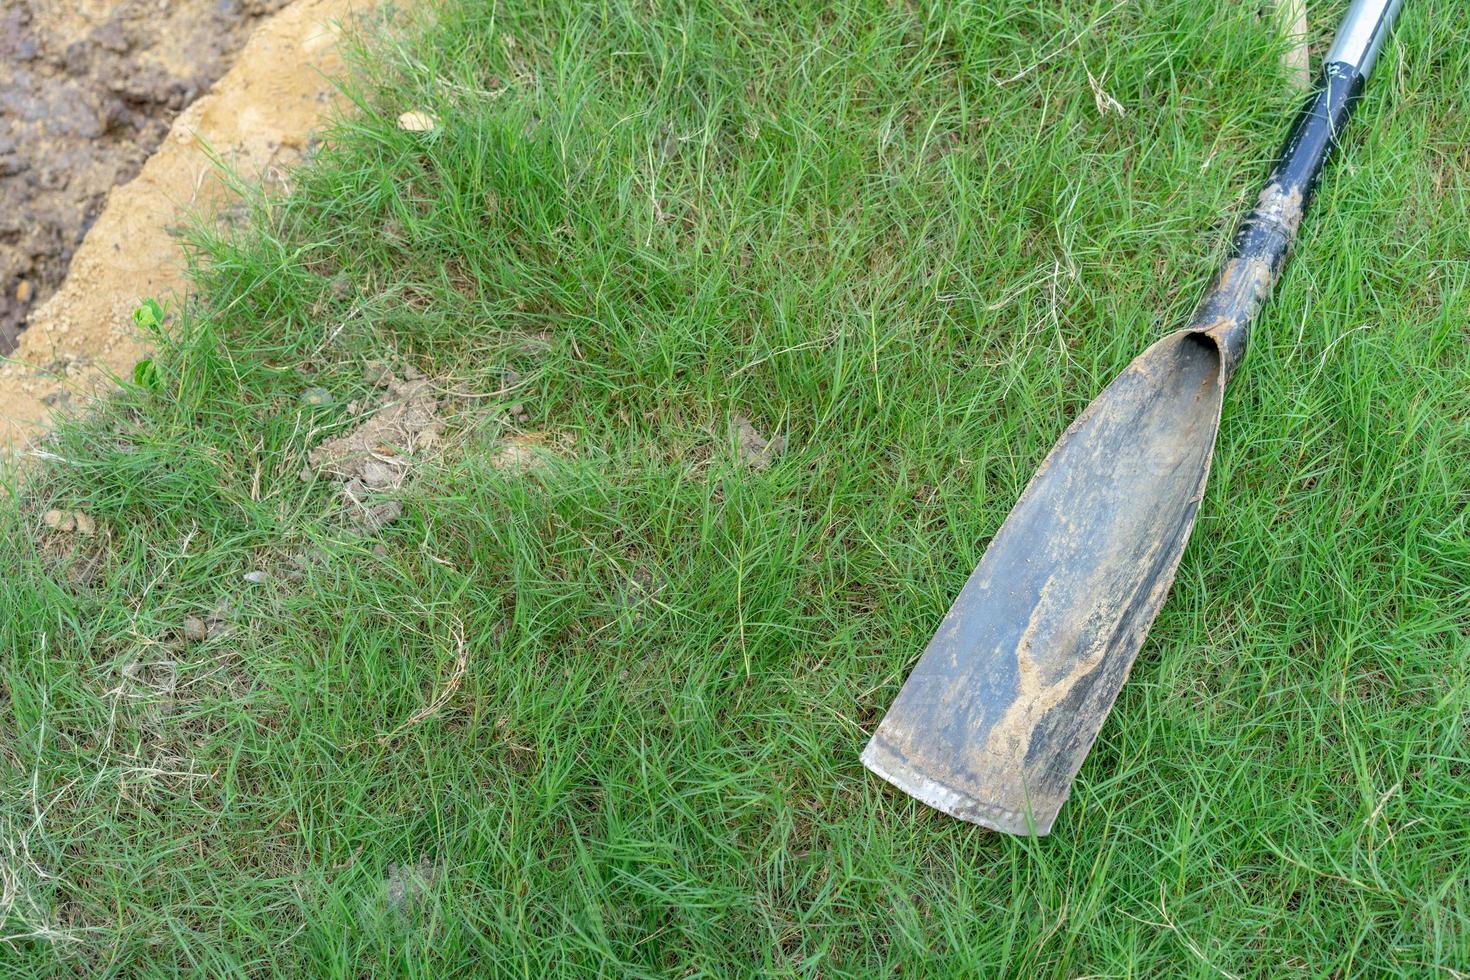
{"x": 87, "y": 90}
{"x": 97, "y": 251}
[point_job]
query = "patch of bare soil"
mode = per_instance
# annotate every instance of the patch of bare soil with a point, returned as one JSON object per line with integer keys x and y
{"x": 755, "y": 450}
{"x": 74, "y": 544}
{"x": 525, "y": 452}
{"x": 87, "y": 90}
{"x": 257, "y": 119}
{"x": 375, "y": 456}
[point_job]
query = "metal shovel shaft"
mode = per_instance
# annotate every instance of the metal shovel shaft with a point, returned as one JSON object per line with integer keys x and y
{"x": 1267, "y": 233}
{"x": 1001, "y": 710}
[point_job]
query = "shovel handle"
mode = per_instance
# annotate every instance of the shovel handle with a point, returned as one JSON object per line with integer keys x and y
{"x": 1265, "y": 236}
{"x": 1361, "y": 34}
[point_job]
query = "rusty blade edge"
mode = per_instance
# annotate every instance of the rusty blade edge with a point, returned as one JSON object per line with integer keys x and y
{"x": 946, "y": 799}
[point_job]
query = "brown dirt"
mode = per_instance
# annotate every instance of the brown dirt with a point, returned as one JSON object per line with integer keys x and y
{"x": 257, "y": 118}
{"x": 524, "y": 452}
{"x": 87, "y": 90}
{"x": 375, "y": 456}
{"x": 754, "y": 449}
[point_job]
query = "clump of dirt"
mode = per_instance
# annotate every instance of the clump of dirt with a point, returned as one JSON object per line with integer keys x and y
{"x": 754, "y": 449}
{"x": 69, "y": 520}
{"x": 210, "y": 625}
{"x": 74, "y": 543}
{"x": 87, "y": 90}
{"x": 524, "y": 453}
{"x": 375, "y": 456}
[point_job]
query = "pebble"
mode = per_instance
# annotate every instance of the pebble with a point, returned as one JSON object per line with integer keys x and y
{"x": 316, "y": 398}
{"x": 69, "y": 520}
{"x": 109, "y": 37}
{"x": 375, "y": 474}
{"x": 417, "y": 121}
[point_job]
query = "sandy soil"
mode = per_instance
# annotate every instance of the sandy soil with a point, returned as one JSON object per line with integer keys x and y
{"x": 258, "y": 117}
{"x": 87, "y": 90}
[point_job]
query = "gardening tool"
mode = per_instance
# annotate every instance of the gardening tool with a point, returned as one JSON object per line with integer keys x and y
{"x": 1005, "y": 703}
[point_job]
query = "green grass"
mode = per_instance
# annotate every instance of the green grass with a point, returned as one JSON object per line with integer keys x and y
{"x": 850, "y": 225}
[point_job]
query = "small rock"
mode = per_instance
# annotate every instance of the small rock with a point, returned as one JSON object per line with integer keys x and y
{"x": 417, "y": 121}
{"x": 375, "y": 474}
{"x": 69, "y": 520}
{"x": 195, "y": 629}
{"x": 111, "y": 38}
{"x": 380, "y": 551}
{"x": 24, "y": 291}
{"x": 315, "y": 398}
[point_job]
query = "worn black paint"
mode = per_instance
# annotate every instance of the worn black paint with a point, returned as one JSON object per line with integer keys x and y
{"x": 1268, "y": 232}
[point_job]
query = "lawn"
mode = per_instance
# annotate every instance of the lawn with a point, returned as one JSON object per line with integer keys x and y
{"x": 575, "y": 682}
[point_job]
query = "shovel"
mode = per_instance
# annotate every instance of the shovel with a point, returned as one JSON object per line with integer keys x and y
{"x": 1005, "y": 703}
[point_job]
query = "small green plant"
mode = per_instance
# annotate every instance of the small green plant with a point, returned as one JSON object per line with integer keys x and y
{"x": 149, "y": 315}
{"x": 145, "y": 374}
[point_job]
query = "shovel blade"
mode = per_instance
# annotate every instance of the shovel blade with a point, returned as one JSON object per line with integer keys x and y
{"x": 1002, "y": 708}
